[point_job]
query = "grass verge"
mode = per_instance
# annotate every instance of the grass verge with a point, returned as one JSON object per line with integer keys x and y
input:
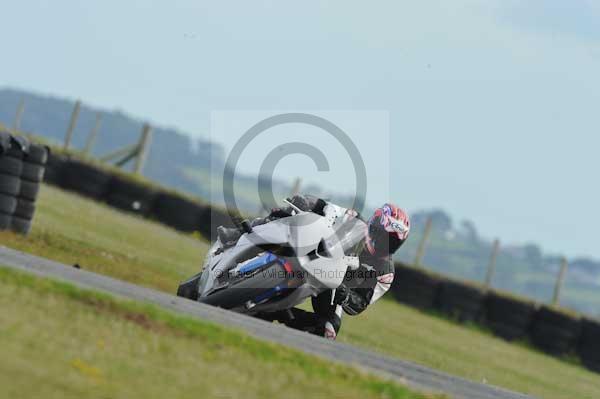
{"x": 93, "y": 345}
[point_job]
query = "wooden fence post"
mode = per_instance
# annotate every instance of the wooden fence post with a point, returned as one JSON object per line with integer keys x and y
{"x": 559, "y": 281}
{"x": 421, "y": 249}
{"x": 19, "y": 115}
{"x": 143, "y": 147}
{"x": 296, "y": 187}
{"x": 72, "y": 124}
{"x": 89, "y": 144}
{"x": 492, "y": 265}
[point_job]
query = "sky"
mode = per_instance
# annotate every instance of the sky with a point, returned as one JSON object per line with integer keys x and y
{"x": 487, "y": 109}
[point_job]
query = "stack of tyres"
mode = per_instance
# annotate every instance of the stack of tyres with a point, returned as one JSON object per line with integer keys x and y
{"x": 510, "y": 318}
{"x": 85, "y": 179}
{"x": 415, "y": 287}
{"x": 462, "y": 301}
{"x": 589, "y": 344}
{"x": 556, "y": 332}
{"x": 177, "y": 212}
{"x": 130, "y": 196}
{"x": 54, "y": 168}
{"x": 11, "y": 166}
{"x": 32, "y": 175}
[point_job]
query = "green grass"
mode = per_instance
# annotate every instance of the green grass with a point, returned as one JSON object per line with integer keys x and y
{"x": 74, "y": 230}
{"x": 58, "y": 341}
{"x": 468, "y": 352}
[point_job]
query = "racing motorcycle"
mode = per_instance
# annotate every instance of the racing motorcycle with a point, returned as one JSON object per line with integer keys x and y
{"x": 278, "y": 265}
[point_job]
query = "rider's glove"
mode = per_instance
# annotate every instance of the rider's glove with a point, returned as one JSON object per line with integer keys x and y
{"x": 278, "y": 213}
{"x": 342, "y": 295}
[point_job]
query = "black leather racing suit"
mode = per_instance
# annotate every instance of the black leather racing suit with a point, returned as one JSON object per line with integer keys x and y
{"x": 361, "y": 287}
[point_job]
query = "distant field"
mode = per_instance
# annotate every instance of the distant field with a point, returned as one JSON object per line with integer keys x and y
{"x": 74, "y": 230}
{"x": 61, "y": 342}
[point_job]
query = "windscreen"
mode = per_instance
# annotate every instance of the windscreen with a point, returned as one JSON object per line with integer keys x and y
{"x": 348, "y": 234}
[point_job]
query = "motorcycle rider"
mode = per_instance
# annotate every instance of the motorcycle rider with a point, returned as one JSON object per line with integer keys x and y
{"x": 388, "y": 229}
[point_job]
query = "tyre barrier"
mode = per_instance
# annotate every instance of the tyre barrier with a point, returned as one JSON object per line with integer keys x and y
{"x": 34, "y": 162}
{"x": 130, "y": 196}
{"x": 177, "y": 212}
{"x": 508, "y": 317}
{"x": 461, "y": 301}
{"x": 21, "y": 171}
{"x": 54, "y": 169}
{"x": 210, "y": 219}
{"x": 555, "y": 332}
{"x": 8, "y": 204}
{"x": 415, "y": 287}
{"x": 11, "y": 166}
{"x": 85, "y": 179}
{"x": 10, "y": 184}
{"x": 589, "y": 344}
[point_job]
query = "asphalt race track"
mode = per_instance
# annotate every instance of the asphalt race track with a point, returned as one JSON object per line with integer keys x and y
{"x": 418, "y": 377}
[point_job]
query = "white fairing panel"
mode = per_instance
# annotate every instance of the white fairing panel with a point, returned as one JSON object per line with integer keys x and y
{"x": 306, "y": 232}
{"x": 326, "y": 272}
{"x": 302, "y": 232}
{"x": 274, "y": 232}
{"x": 318, "y": 242}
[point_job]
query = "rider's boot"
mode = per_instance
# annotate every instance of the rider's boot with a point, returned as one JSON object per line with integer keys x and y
{"x": 326, "y": 326}
{"x": 329, "y": 315}
{"x": 330, "y": 330}
{"x": 229, "y": 235}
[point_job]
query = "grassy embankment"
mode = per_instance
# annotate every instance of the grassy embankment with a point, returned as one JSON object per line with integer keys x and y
{"x": 74, "y": 230}
{"x": 61, "y": 342}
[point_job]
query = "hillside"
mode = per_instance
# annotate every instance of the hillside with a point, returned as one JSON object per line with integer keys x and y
{"x": 170, "y": 155}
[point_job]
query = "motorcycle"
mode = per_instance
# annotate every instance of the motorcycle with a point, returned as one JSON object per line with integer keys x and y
{"x": 278, "y": 265}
